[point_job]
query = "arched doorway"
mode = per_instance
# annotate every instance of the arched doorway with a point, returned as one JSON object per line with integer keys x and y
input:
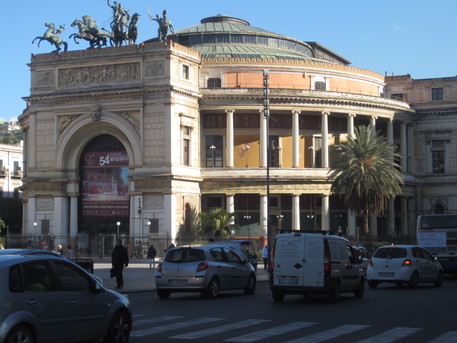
{"x": 104, "y": 200}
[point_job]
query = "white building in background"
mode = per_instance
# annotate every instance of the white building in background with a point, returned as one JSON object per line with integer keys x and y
{"x": 11, "y": 157}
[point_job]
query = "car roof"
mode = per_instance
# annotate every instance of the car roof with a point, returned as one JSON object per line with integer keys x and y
{"x": 10, "y": 259}
{"x": 405, "y": 246}
{"x": 27, "y": 252}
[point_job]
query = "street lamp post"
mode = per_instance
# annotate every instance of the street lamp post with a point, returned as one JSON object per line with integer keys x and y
{"x": 118, "y": 224}
{"x": 212, "y": 147}
{"x": 35, "y": 227}
{"x": 246, "y": 148}
{"x": 266, "y": 114}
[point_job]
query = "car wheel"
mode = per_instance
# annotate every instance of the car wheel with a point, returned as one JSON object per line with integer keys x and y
{"x": 335, "y": 292}
{"x": 439, "y": 279}
{"x": 212, "y": 291}
{"x": 414, "y": 281}
{"x": 250, "y": 287}
{"x": 372, "y": 284}
{"x": 358, "y": 292}
{"x": 278, "y": 296}
{"x": 20, "y": 334}
{"x": 119, "y": 328}
{"x": 162, "y": 294}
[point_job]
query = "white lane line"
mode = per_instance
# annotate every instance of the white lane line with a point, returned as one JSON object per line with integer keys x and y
{"x": 390, "y": 335}
{"x": 329, "y": 334}
{"x": 220, "y": 329}
{"x": 154, "y": 320}
{"x": 263, "y": 334}
{"x": 448, "y": 337}
{"x": 180, "y": 325}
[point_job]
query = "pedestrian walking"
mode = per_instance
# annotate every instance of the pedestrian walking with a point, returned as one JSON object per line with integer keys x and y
{"x": 265, "y": 256}
{"x": 69, "y": 253}
{"x": 152, "y": 253}
{"x": 119, "y": 260}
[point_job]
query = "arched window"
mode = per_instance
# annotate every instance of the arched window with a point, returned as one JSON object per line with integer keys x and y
{"x": 439, "y": 209}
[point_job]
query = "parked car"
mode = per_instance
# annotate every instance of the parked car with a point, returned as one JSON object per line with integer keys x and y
{"x": 205, "y": 269}
{"x": 404, "y": 264}
{"x": 27, "y": 252}
{"x": 311, "y": 263}
{"x": 46, "y": 298}
{"x": 243, "y": 247}
{"x": 363, "y": 254}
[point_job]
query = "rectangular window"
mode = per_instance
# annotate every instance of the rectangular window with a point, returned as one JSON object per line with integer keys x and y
{"x": 397, "y": 96}
{"x": 317, "y": 152}
{"x": 185, "y": 72}
{"x": 186, "y": 152}
{"x": 275, "y": 151}
{"x": 438, "y": 156}
{"x": 154, "y": 227}
{"x": 437, "y": 93}
{"x": 214, "y": 83}
{"x": 213, "y": 202}
{"x": 214, "y": 153}
{"x": 320, "y": 86}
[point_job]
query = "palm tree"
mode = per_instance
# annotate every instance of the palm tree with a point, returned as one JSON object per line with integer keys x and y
{"x": 365, "y": 174}
{"x": 215, "y": 223}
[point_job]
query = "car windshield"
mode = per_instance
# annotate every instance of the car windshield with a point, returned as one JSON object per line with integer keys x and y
{"x": 185, "y": 255}
{"x": 390, "y": 252}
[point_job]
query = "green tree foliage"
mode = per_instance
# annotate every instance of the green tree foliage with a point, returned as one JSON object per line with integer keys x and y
{"x": 365, "y": 174}
{"x": 215, "y": 224}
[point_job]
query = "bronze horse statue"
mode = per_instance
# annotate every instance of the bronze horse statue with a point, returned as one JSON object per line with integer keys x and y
{"x": 89, "y": 31}
{"x": 52, "y": 37}
{"x": 130, "y": 35}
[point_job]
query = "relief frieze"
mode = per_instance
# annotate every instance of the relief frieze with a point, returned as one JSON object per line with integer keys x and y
{"x": 154, "y": 68}
{"x": 83, "y": 76}
{"x": 44, "y": 78}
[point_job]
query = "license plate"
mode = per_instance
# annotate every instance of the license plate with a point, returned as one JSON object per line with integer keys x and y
{"x": 288, "y": 281}
{"x": 386, "y": 274}
{"x": 177, "y": 282}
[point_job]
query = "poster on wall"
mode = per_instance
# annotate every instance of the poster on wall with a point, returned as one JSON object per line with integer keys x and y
{"x": 105, "y": 184}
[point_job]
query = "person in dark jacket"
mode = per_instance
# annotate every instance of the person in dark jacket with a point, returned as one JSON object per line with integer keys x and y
{"x": 119, "y": 260}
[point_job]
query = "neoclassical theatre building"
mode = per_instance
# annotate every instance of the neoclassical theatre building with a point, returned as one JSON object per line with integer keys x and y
{"x": 137, "y": 140}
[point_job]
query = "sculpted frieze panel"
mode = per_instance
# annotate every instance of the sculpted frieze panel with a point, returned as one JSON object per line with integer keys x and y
{"x": 45, "y": 78}
{"x": 154, "y": 68}
{"x": 83, "y": 76}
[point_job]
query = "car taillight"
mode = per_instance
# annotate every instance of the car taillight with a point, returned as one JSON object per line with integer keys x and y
{"x": 202, "y": 266}
{"x": 407, "y": 262}
{"x": 271, "y": 266}
{"x": 159, "y": 268}
{"x": 370, "y": 262}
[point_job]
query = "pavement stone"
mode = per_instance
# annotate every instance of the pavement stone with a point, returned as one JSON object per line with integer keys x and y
{"x": 139, "y": 277}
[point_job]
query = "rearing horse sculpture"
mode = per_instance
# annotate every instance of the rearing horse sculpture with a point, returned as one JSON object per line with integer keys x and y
{"x": 53, "y": 37}
{"x": 89, "y": 31}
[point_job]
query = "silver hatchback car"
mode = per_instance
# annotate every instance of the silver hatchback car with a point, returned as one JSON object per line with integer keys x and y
{"x": 46, "y": 298}
{"x": 204, "y": 269}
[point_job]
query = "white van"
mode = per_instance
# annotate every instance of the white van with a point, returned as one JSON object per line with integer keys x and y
{"x": 312, "y": 263}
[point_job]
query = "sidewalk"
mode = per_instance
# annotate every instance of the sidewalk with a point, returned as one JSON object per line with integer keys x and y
{"x": 138, "y": 277}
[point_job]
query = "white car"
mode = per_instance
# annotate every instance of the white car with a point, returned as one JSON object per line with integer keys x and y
{"x": 404, "y": 264}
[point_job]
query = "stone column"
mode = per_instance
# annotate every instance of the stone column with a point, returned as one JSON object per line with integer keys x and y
{"x": 169, "y": 219}
{"x": 73, "y": 215}
{"x": 295, "y": 139}
{"x": 325, "y": 215}
{"x": 263, "y": 218}
{"x": 324, "y": 132}
{"x": 296, "y": 212}
{"x": 403, "y": 148}
{"x": 351, "y": 118}
{"x": 31, "y": 216}
{"x": 351, "y": 231}
{"x": 373, "y": 124}
{"x": 391, "y": 202}
{"x": 404, "y": 216}
{"x": 231, "y": 209}
{"x": 263, "y": 141}
{"x": 230, "y": 148}
{"x": 61, "y": 220}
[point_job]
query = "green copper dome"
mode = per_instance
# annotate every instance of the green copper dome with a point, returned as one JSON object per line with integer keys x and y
{"x": 225, "y": 36}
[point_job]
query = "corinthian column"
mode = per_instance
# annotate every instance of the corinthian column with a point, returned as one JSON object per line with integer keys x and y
{"x": 324, "y": 132}
{"x": 295, "y": 139}
{"x": 230, "y": 161}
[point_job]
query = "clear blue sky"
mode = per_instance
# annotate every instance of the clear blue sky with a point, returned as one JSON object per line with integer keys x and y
{"x": 414, "y": 37}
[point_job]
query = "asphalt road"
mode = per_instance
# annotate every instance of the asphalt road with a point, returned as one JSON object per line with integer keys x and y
{"x": 386, "y": 314}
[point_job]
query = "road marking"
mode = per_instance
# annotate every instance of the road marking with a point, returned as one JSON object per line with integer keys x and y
{"x": 329, "y": 334}
{"x": 390, "y": 335}
{"x": 154, "y": 320}
{"x": 180, "y": 325}
{"x": 448, "y": 337}
{"x": 220, "y": 329}
{"x": 263, "y": 334}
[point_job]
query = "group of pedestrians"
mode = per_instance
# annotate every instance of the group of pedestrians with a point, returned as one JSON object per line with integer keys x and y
{"x": 67, "y": 254}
